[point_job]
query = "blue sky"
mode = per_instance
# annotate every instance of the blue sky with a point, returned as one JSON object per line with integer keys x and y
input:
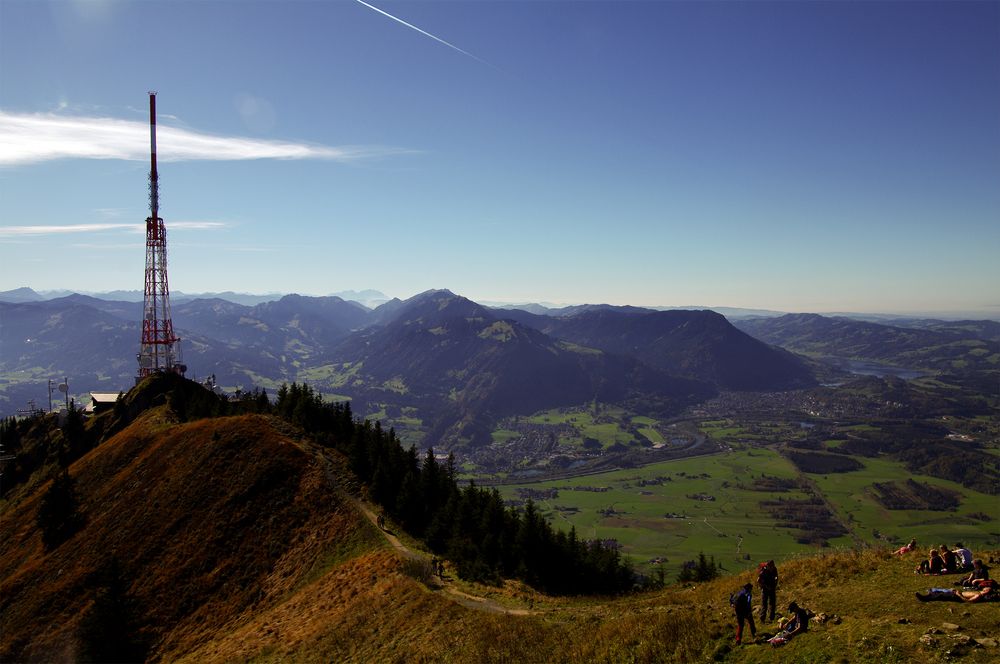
{"x": 801, "y": 156}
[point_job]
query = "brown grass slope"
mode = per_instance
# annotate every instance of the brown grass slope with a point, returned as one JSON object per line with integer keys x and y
{"x": 207, "y": 520}
{"x": 367, "y": 611}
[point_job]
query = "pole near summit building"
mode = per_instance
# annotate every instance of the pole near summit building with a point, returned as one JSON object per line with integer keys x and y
{"x": 160, "y": 349}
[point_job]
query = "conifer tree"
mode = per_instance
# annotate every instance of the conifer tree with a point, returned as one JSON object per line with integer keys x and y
{"x": 58, "y": 516}
{"x": 263, "y": 405}
{"x": 109, "y": 631}
{"x": 74, "y": 432}
{"x": 409, "y": 505}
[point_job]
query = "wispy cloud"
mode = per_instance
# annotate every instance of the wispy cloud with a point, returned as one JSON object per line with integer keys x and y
{"x": 31, "y": 138}
{"x": 196, "y": 225}
{"x": 110, "y": 213}
{"x": 17, "y": 231}
{"x": 423, "y": 32}
{"x": 251, "y": 250}
{"x": 27, "y": 231}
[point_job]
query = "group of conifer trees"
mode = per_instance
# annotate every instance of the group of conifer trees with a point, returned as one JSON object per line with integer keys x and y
{"x": 471, "y": 526}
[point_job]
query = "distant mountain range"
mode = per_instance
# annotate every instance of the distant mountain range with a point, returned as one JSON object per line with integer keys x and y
{"x": 373, "y": 298}
{"x": 369, "y": 298}
{"x": 449, "y": 365}
{"x": 549, "y": 309}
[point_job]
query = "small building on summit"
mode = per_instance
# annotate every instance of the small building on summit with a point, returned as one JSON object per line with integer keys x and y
{"x": 101, "y": 401}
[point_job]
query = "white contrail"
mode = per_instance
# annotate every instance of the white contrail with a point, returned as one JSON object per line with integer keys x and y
{"x": 33, "y": 138}
{"x": 424, "y": 32}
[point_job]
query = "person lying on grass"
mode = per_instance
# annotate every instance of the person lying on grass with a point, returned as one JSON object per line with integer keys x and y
{"x": 985, "y": 590}
{"x": 906, "y": 548}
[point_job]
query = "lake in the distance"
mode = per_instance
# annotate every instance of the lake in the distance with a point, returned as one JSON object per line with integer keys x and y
{"x": 869, "y": 368}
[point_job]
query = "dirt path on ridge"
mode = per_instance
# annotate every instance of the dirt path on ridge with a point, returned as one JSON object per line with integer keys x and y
{"x": 436, "y": 584}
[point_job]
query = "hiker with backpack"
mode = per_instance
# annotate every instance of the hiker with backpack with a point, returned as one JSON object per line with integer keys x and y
{"x": 742, "y": 602}
{"x": 767, "y": 579}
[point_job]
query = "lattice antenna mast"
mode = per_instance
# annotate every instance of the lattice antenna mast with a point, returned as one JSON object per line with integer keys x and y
{"x": 160, "y": 350}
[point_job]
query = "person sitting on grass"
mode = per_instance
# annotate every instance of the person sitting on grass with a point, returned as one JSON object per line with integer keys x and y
{"x": 985, "y": 590}
{"x": 933, "y": 564}
{"x": 978, "y": 573}
{"x": 798, "y": 622}
{"x": 949, "y": 558}
{"x": 903, "y": 550}
{"x": 964, "y": 556}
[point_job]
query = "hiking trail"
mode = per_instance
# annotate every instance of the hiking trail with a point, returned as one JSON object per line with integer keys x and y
{"x": 435, "y": 583}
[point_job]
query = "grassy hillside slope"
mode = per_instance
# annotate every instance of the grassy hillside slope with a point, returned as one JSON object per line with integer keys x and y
{"x": 206, "y": 520}
{"x": 367, "y": 610}
{"x": 240, "y": 541}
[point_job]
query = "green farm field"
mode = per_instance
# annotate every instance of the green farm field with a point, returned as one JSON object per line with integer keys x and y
{"x": 604, "y": 423}
{"x": 853, "y": 497}
{"x": 634, "y": 509}
{"x": 329, "y": 375}
{"x": 728, "y": 527}
{"x": 605, "y": 428}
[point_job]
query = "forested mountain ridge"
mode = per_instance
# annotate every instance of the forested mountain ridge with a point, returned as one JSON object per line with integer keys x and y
{"x": 466, "y": 367}
{"x": 700, "y": 344}
{"x": 66, "y": 338}
{"x": 942, "y": 346}
{"x": 981, "y": 329}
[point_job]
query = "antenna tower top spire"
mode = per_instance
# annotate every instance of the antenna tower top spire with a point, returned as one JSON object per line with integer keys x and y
{"x": 160, "y": 349}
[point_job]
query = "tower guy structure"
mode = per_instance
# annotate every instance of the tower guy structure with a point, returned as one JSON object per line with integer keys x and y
{"x": 160, "y": 349}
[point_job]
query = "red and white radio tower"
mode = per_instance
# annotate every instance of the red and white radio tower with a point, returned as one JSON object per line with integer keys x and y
{"x": 160, "y": 350}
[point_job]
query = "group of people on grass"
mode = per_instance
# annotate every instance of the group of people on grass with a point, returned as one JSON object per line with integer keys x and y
{"x": 742, "y": 603}
{"x": 975, "y": 586}
{"x": 942, "y": 560}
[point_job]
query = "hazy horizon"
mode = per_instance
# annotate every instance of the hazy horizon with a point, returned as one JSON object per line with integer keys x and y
{"x": 137, "y": 297}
